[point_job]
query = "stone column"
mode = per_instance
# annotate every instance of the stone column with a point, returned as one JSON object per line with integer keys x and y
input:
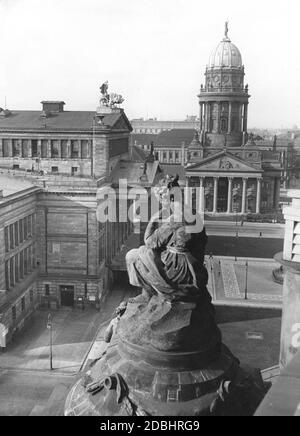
{"x": 201, "y": 117}
{"x": 207, "y": 116}
{"x": 49, "y": 149}
{"x": 244, "y": 195}
{"x": 215, "y": 207}
{"x": 258, "y": 195}
{"x": 29, "y": 148}
{"x": 229, "y": 117}
{"x": 10, "y": 148}
{"x": 39, "y": 148}
{"x": 229, "y": 202}
{"x": 219, "y": 118}
{"x": 201, "y": 196}
{"x": 245, "y": 118}
{"x": 69, "y": 149}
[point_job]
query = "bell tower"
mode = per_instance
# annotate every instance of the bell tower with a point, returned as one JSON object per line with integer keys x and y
{"x": 224, "y": 98}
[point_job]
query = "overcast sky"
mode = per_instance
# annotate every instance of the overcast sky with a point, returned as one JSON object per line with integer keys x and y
{"x": 153, "y": 52}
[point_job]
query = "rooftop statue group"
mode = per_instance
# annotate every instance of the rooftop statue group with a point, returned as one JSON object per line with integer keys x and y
{"x": 111, "y": 100}
{"x": 165, "y": 356}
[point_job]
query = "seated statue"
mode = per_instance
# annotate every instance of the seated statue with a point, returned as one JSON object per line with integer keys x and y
{"x": 171, "y": 263}
{"x": 170, "y": 270}
{"x": 165, "y": 355}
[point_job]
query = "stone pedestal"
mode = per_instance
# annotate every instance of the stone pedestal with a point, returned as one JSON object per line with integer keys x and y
{"x": 164, "y": 361}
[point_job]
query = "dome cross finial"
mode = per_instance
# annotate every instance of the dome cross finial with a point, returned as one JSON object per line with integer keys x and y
{"x": 226, "y": 29}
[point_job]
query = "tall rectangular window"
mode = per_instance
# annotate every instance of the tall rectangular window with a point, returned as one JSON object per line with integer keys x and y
{"x": 47, "y": 290}
{"x": 25, "y": 261}
{"x": 64, "y": 149}
{"x": 74, "y": 149}
{"x": 7, "y": 283}
{"x": 34, "y": 147}
{"x": 44, "y": 148}
{"x": 6, "y": 148}
{"x": 25, "y": 147}
{"x": 11, "y": 272}
{"x": 16, "y": 225}
{"x": 17, "y": 268}
{"x": 55, "y": 149}
{"x": 16, "y": 147}
{"x": 11, "y": 237}
{"x": 25, "y": 228}
{"x": 29, "y": 225}
{"x": 21, "y": 231}
{"x": 85, "y": 149}
{"x": 6, "y": 235}
{"x": 22, "y": 264}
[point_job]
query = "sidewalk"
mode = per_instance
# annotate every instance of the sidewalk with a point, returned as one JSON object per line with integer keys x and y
{"x": 232, "y": 283}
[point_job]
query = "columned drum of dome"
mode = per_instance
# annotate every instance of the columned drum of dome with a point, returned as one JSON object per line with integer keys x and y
{"x": 224, "y": 98}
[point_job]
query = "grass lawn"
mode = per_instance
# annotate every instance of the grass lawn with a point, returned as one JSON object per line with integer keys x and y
{"x": 243, "y": 246}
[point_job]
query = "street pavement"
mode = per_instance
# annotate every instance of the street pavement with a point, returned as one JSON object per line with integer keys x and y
{"x": 247, "y": 229}
{"x": 243, "y": 281}
{"x": 27, "y": 385}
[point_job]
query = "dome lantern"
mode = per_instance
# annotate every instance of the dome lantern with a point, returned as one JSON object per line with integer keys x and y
{"x": 226, "y": 54}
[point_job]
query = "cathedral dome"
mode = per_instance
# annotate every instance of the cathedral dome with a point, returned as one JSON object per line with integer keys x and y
{"x": 226, "y": 54}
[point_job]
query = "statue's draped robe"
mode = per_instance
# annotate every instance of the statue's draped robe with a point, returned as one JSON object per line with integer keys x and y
{"x": 170, "y": 262}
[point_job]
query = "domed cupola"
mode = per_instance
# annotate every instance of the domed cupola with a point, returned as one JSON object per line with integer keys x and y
{"x": 226, "y": 54}
{"x": 224, "y": 97}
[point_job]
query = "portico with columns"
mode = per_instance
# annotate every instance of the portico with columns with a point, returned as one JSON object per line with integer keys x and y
{"x": 225, "y": 184}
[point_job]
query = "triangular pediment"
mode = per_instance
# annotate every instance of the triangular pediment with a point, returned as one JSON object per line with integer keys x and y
{"x": 224, "y": 161}
{"x": 122, "y": 123}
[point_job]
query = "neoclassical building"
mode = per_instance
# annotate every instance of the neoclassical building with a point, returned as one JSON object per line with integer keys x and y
{"x": 233, "y": 173}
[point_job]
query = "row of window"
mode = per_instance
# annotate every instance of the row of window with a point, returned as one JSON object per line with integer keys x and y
{"x": 19, "y": 232}
{"x": 18, "y": 266}
{"x": 47, "y": 148}
{"x": 23, "y": 305}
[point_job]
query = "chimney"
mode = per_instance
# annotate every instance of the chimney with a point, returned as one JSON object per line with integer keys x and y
{"x": 52, "y": 106}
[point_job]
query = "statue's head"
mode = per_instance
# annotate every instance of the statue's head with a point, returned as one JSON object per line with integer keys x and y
{"x": 167, "y": 190}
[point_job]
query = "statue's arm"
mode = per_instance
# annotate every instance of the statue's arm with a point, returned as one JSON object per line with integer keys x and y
{"x": 157, "y": 236}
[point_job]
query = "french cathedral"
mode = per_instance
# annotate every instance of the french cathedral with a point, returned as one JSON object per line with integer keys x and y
{"x": 235, "y": 175}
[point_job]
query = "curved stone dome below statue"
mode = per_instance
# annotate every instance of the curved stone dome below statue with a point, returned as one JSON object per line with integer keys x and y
{"x": 226, "y": 54}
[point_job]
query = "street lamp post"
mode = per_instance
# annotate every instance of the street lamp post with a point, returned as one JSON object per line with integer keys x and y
{"x": 49, "y": 326}
{"x": 246, "y": 284}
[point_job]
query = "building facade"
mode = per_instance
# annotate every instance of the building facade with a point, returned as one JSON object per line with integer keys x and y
{"x": 153, "y": 126}
{"x": 55, "y": 141}
{"x": 54, "y": 249}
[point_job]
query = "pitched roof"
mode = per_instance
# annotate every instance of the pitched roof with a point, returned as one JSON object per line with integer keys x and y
{"x": 65, "y": 120}
{"x": 175, "y": 137}
{"x": 138, "y": 154}
{"x": 11, "y": 185}
{"x": 173, "y": 170}
{"x": 133, "y": 171}
{"x": 143, "y": 138}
